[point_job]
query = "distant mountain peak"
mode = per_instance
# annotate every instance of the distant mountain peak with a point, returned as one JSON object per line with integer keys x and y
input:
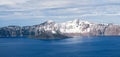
{"x": 49, "y": 21}
{"x": 50, "y": 29}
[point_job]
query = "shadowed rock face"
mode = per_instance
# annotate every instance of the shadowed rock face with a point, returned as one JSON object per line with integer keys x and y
{"x": 105, "y": 30}
{"x": 112, "y": 30}
{"x": 50, "y": 29}
{"x": 10, "y": 31}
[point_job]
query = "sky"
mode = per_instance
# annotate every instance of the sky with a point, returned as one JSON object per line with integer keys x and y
{"x": 31, "y": 12}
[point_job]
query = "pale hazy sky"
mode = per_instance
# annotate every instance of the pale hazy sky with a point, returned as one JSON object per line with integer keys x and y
{"x": 30, "y": 12}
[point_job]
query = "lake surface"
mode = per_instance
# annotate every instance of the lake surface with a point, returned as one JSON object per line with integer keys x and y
{"x": 102, "y": 46}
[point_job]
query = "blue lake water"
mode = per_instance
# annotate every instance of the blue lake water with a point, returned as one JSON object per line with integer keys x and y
{"x": 102, "y": 46}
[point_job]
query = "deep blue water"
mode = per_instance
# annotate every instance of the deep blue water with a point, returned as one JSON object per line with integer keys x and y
{"x": 103, "y": 46}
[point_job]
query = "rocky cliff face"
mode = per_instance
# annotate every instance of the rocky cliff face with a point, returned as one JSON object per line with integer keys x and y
{"x": 50, "y": 29}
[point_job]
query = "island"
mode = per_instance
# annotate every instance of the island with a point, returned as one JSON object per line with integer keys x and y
{"x": 53, "y": 30}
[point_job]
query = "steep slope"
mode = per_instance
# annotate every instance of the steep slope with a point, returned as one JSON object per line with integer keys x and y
{"x": 50, "y": 29}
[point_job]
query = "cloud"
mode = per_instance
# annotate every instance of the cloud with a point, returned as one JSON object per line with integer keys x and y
{"x": 43, "y": 8}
